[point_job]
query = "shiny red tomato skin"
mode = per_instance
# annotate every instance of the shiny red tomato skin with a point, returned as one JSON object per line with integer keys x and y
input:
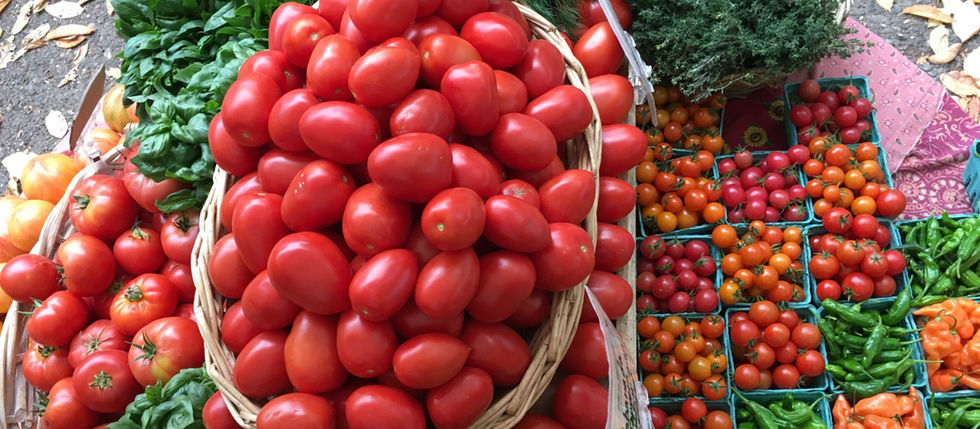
{"x": 58, "y": 319}
{"x": 471, "y": 89}
{"x": 258, "y": 216}
{"x": 365, "y": 348}
{"x": 355, "y": 131}
{"x": 383, "y": 407}
{"x": 521, "y": 141}
{"x": 447, "y": 283}
{"x": 296, "y": 410}
{"x": 613, "y": 95}
{"x": 564, "y": 109}
{"x": 145, "y": 191}
{"x": 614, "y": 247}
{"x": 384, "y": 75}
{"x": 612, "y": 292}
{"x": 461, "y": 401}
{"x": 305, "y": 257}
{"x": 498, "y": 350}
{"x": 333, "y": 11}
{"x": 282, "y": 16}
{"x": 273, "y": 64}
{"x": 301, "y": 34}
{"x": 374, "y": 222}
{"x": 176, "y": 345}
{"x": 456, "y": 12}
{"x": 410, "y": 321}
{"x": 454, "y": 219}
{"x": 284, "y": 119}
{"x": 617, "y": 199}
{"x": 88, "y": 266}
{"x": 473, "y": 170}
{"x": 381, "y": 19}
{"x": 568, "y": 197}
{"x": 506, "y": 280}
{"x": 265, "y": 306}
{"x": 542, "y": 68}
{"x": 102, "y": 334}
{"x": 521, "y": 190}
{"x": 412, "y": 167}
{"x": 139, "y": 251}
{"x": 500, "y": 41}
{"x": 623, "y": 147}
{"x": 423, "y": 111}
{"x": 440, "y": 51}
{"x": 538, "y": 421}
{"x": 101, "y": 206}
{"x": 533, "y": 311}
{"x": 232, "y": 157}
{"x": 27, "y": 277}
{"x": 236, "y": 329}
{"x": 215, "y": 414}
{"x": 587, "y": 353}
{"x": 244, "y": 186}
{"x": 426, "y": 26}
{"x": 505, "y": 214}
{"x": 312, "y": 362}
{"x": 118, "y": 389}
{"x": 44, "y": 366}
{"x": 383, "y": 284}
{"x": 277, "y": 168}
{"x": 330, "y": 63}
{"x": 227, "y": 270}
{"x": 247, "y": 106}
{"x": 429, "y": 360}
{"x": 316, "y": 197}
{"x": 580, "y": 403}
{"x": 511, "y": 92}
{"x": 599, "y": 50}
{"x": 260, "y": 370}
{"x": 144, "y": 299}
{"x": 567, "y": 261}
{"x": 64, "y": 410}
{"x": 594, "y": 14}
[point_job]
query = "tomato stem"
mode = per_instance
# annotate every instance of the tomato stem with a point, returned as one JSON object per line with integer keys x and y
{"x": 101, "y": 381}
{"x": 134, "y": 293}
{"x": 82, "y": 201}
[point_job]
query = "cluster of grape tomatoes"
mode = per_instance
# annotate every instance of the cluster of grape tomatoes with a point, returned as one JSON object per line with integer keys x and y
{"x": 773, "y": 347}
{"x": 677, "y": 193}
{"x": 761, "y": 262}
{"x": 683, "y": 357}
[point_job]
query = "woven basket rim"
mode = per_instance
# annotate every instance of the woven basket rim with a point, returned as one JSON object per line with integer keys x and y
{"x": 550, "y": 342}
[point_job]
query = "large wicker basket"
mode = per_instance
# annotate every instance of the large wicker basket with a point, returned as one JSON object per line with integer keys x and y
{"x": 19, "y": 397}
{"x": 549, "y": 344}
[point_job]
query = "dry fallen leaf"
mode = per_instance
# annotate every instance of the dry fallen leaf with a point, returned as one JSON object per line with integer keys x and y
{"x": 959, "y": 83}
{"x": 34, "y": 44}
{"x": 942, "y": 51}
{"x": 72, "y": 74}
{"x": 113, "y": 72}
{"x": 56, "y": 124}
{"x": 6, "y": 52}
{"x": 23, "y": 18}
{"x": 971, "y": 64}
{"x": 109, "y": 8}
{"x": 928, "y": 12}
{"x": 69, "y": 42}
{"x": 32, "y": 40}
{"x": 886, "y": 4}
{"x": 64, "y": 9}
{"x": 69, "y": 30}
{"x": 966, "y": 21}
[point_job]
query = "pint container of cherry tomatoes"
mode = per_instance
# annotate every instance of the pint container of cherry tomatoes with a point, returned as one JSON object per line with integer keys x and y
{"x": 778, "y": 350}
{"x": 765, "y": 398}
{"x": 762, "y": 262}
{"x": 677, "y": 194}
{"x": 684, "y": 125}
{"x": 818, "y": 110}
{"x": 854, "y": 177}
{"x": 692, "y": 412}
{"x": 848, "y": 267}
{"x": 971, "y": 175}
{"x": 764, "y": 185}
{"x": 677, "y": 275}
{"x": 683, "y": 356}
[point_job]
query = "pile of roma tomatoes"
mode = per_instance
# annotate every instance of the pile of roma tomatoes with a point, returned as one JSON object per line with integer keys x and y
{"x": 406, "y": 158}
{"x": 675, "y": 277}
{"x": 682, "y": 357}
{"x": 820, "y": 112}
{"x": 852, "y": 260}
{"x": 849, "y": 176}
{"x": 675, "y": 193}
{"x": 761, "y": 262}
{"x": 774, "y": 348}
{"x": 114, "y": 308}
{"x": 682, "y": 123}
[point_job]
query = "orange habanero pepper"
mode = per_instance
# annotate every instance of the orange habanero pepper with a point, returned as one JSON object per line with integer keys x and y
{"x": 916, "y": 419}
{"x": 875, "y": 421}
{"x": 842, "y": 412}
{"x": 882, "y": 404}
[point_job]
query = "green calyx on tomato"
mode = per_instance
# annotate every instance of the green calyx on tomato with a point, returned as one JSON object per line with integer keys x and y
{"x": 102, "y": 381}
{"x": 134, "y": 293}
{"x": 82, "y": 201}
{"x": 46, "y": 351}
{"x": 138, "y": 233}
{"x": 148, "y": 348}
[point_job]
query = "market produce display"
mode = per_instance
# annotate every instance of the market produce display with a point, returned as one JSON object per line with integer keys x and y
{"x": 943, "y": 258}
{"x": 951, "y": 344}
{"x": 761, "y": 263}
{"x": 850, "y": 177}
{"x": 841, "y": 111}
{"x": 693, "y": 411}
{"x": 763, "y": 186}
{"x": 855, "y": 259}
{"x": 781, "y": 412}
{"x": 774, "y": 348}
{"x": 957, "y": 413}
{"x": 682, "y": 123}
{"x": 886, "y": 410}
{"x": 677, "y": 193}
{"x": 683, "y": 356}
{"x": 676, "y": 276}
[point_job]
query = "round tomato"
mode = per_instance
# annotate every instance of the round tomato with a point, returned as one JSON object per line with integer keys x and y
{"x": 247, "y": 106}
{"x": 499, "y": 39}
{"x": 145, "y": 190}
{"x": 515, "y": 225}
{"x": 471, "y": 89}
{"x": 895, "y": 261}
{"x": 580, "y": 403}
{"x": 874, "y": 264}
{"x": 786, "y": 377}
{"x": 613, "y": 95}
{"x": 807, "y": 336}
{"x": 178, "y": 234}
{"x": 47, "y": 176}
{"x": 568, "y": 197}
{"x": 599, "y": 50}
{"x": 473, "y": 170}
{"x": 274, "y": 65}
{"x": 101, "y": 207}
{"x": 811, "y": 363}
{"x": 858, "y": 286}
{"x": 383, "y": 407}
{"x": 384, "y": 75}
{"x": 215, "y": 414}
{"x": 258, "y": 216}
{"x": 296, "y": 410}
{"x": 139, "y": 251}
{"x": 498, "y": 350}
{"x": 56, "y": 321}
{"x": 44, "y": 366}
{"x": 837, "y": 220}
{"x": 312, "y": 362}
{"x": 824, "y": 266}
{"x": 365, "y": 348}
{"x": 260, "y": 370}
{"x": 25, "y": 223}
{"x": 298, "y": 259}
{"x": 236, "y": 329}
{"x": 587, "y": 353}
{"x": 383, "y": 284}
{"x": 746, "y": 377}
{"x": 28, "y": 277}
{"x": 891, "y": 203}
{"x": 423, "y": 111}
{"x": 284, "y": 119}
{"x": 564, "y": 109}
{"x": 506, "y": 280}
{"x": 542, "y": 68}
{"x": 104, "y": 383}
{"x": 316, "y": 197}
{"x": 164, "y": 347}
{"x": 100, "y": 335}
{"x": 462, "y": 400}
{"x": 374, "y": 222}
{"x": 412, "y": 167}
{"x": 567, "y": 260}
{"x": 282, "y": 16}
{"x": 64, "y": 409}
{"x": 144, "y": 299}
{"x": 354, "y": 131}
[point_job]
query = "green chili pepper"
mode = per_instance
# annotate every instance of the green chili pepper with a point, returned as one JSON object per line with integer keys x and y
{"x": 864, "y": 389}
{"x": 930, "y": 269}
{"x": 765, "y": 418}
{"x": 851, "y": 364}
{"x": 968, "y": 244}
{"x": 891, "y": 368}
{"x": 833, "y": 349}
{"x": 850, "y": 314}
{"x": 836, "y": 371}
{"x": 747, "y": 425}
{"x": 855, "y": 342}
{"x": 899, "y": 309}
{"x": 923, "y": 301}
{"x": 944, "y": 284}
{"x": 953, "y": 419}
{"x": 933, "y": 235}
{"x": 874, "y": 345}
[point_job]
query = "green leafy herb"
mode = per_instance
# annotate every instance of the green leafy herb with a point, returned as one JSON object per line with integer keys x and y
{"x": 179, "y": 60}
{"x": 563, "y": 13}
{"x": 176, "y": 405}
{"x": 695, "y": 44}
